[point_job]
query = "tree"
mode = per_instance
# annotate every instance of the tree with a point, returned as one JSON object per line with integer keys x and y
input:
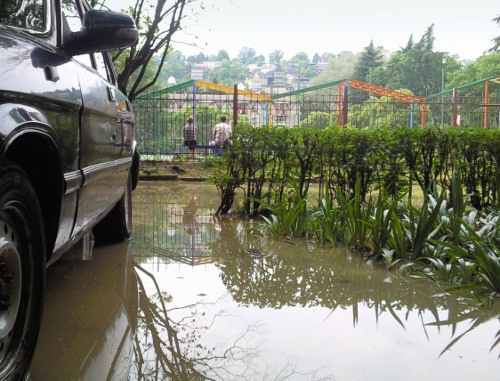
{"x": 300, "y": 58}
{"x": 228, "y": 73}
{"x": 299, "y": 64}
{"x": 157, "y": 22}
{"x": 174, "y": 66}
{"x": 484, "y": 67}
{"x": 417, "y": 67}
{"x": 338, "y": 67}
{"x": 496, "y": 40}
{"x": 222, "y": 55}
{"x": 276, "y": 56}
{"x": 369, "y": 60}
{"x": 199, "y": 58}
{"x": 246, "y": 56}
{"x": 260, "y": 60}
{"x": 409, "y": 45}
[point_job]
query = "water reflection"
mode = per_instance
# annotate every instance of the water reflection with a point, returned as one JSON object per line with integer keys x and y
{"x": 173, "y": 225}
{"x": 219, "y": 304}
{"x": 289, "y": 276}
{"x": 168, "y": 344}
{"x": 89, "y": 320}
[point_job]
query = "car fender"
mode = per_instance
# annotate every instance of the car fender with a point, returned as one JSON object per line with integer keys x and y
{"x": 18, "y": 119}
{"x": 27, "y": 139}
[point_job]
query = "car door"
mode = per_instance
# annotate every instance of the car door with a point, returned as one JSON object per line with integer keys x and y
{"x": 103, "y": 178}
{"x": 123, "y": 135}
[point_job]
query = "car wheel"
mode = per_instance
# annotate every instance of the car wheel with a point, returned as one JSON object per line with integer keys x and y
{"x": 117, "y": 225}
{"x": 22, "y": 272}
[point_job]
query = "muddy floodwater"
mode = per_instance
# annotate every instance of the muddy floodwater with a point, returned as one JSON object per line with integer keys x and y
{"x": 194, "y": 297}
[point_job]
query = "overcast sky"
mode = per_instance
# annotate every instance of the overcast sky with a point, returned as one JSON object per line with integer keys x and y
{"x": 318, "y": 26}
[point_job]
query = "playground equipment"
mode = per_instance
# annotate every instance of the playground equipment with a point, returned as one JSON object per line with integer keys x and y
{"x": 472, "y": 103}
{"x": 348, "y": 102}
{"x": 382, "y": 92}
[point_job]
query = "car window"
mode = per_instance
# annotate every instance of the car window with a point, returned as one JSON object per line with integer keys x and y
{"x": 73, "y": 20}
{"x": 102, "y": 67}
{"x": 25, "y": 14}
{"x": 72, "y": 15}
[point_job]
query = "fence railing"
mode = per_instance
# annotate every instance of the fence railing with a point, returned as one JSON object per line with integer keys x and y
{"x": 161, "y": 115}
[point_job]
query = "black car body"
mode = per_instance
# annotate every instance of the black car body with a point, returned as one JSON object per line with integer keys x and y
{"x": 68, "y": 160}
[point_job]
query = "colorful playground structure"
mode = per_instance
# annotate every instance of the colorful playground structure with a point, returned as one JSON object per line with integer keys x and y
{"x": 348, "y": 102}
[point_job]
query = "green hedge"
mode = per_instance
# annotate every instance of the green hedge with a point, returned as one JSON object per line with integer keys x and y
{"x": 268, "y": 162}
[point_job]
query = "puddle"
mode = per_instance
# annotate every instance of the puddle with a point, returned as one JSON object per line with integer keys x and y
{"x": 218, "y": 304}
{"x": 90, "y": 318}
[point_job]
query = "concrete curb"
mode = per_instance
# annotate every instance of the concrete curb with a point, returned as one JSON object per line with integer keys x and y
{"x": 170, "y": 178}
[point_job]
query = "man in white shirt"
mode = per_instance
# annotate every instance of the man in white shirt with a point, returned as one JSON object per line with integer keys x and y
{"x": 220, "y": 133}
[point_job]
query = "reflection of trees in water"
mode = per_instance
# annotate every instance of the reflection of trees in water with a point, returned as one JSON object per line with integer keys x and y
{"x": 170, "y": 350}
{"x": 286, "y": 276}
{"x": 291, "y": 276}
{"x": 265, "y": 276}
{"x": 166, "y": 349}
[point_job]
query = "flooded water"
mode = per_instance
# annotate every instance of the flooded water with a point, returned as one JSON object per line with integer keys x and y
{"x": 90, "y": 318}
{"x": 216, "y": 303}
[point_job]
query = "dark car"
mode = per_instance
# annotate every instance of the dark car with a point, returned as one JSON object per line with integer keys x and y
{"x": 68, "y": 160}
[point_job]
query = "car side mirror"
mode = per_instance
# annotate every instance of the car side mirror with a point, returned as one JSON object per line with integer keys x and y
{"x": 103, "y": 31}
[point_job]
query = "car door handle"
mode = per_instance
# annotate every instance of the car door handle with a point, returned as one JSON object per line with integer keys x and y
{"x": 51, "y": 73}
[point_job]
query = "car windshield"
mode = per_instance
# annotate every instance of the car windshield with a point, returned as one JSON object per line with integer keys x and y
{"x": 25, "y": 14}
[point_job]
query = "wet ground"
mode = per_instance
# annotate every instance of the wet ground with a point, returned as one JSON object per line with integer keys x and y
{"x": 193, "y": 297}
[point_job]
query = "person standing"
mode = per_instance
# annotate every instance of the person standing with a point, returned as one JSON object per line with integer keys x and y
{"x": 189, "y": 136}
{"x": 220, "y": 135}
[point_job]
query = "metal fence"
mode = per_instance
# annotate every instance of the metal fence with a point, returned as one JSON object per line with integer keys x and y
{"x": 172, "y": 227}
{"x": 162, "y": 114}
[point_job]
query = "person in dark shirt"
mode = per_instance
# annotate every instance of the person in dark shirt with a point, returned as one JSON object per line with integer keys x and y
{"x": 189, "y": 136}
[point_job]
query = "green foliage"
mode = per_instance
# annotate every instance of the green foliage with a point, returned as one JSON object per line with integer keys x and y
{"x": 339, "y": 66}
{"x": 485, "y": 66}
{"x": 305, "y": 153}
{"x": 330, "y": 224}
{"x": 365, "y": 180}
{"x": 421, "y": 226}
{"x": 380, "y": 221}
{"x": 389, "y": 159}
{"x": 487, "y": 259}
{"x": 370, "y": 59}
{"x": 142, "y": 63}
{"x": 417, "y": 67}
{"x": 357, "y": 215}
{"x": 276, "y": 56}
{"x": 474, "y": 259}
{"x": 290, "y": 218}
{"x": 375, "y": 229}
{"x": 228, "y": 73}
{"x": 496, "y": 40}
{"x": 396, "y": 240}
{"x": 175, "y": 65}
{"x": 319, "y": 119}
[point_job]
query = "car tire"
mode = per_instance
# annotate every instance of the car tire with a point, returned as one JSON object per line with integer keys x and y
{"x": 117, "y": 225}
{"x": 22, "y": 271}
